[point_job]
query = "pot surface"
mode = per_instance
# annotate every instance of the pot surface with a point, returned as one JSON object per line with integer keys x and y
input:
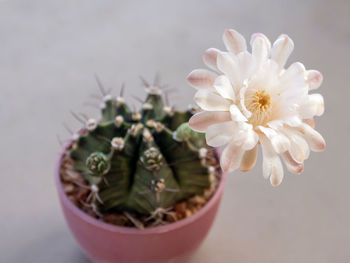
{"x": 108, "y": 243}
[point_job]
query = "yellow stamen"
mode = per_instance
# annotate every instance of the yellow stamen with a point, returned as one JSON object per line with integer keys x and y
{"x": 261, "y": 101}
{"x": 259, "y": 104}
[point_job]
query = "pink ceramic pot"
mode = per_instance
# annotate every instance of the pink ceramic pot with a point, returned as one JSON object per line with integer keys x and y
{"x": 107, "y": 243}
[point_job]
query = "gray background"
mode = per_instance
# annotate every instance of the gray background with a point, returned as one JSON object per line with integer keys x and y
{"x": 49, "y": 53}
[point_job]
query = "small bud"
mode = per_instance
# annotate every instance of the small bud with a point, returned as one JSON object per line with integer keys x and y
{"x": 135, "y": 129}
{"x": 94, "y": 188}
{"x": 98, "y": 163}
{"x": 118, "y": 143}
{"x": 91, "y": 124}
{"x": 120, "y": 101}
{"x": 147, "y": 106}
{"x": 150, "y": 123}
{"x": 153, "y": 90}
{"x": 119, "y": 120}
{"x": 159, "y": 185}
{"x": 203, "y": 152}
{"x": 168, "y": 110}
{"x": 147, "y": 136}
{"x": 136, "y": 116}
{"x": 151, "y": 159}
{"x": 107, "y": 98}
{"x": 159, "y": 127}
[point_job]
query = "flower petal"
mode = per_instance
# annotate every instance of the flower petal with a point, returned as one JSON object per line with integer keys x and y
{"x": 261, "y": 35}
{"x": 245, "y": 111}
{"x": 260, "y": 50}
{"x": 210, "y": 101}
{"x": 210, "y": 57}
{"x": 251, "y": 139}
{"x": 299, "y": 149}
{"x": 234, "y": 41}
{"x": 314, "y": 139}
{"x": 292, "y": 165}
{"x": 223, "y": 86}
{"x": 220, "y": 133}
{"x": 272, "y": 166}
{"x": 249, "y": 159}
{"x": 314, "y": 79}
{"x": 310, "y": 122}
{"x": 312, "y": 106}
{"x": 279, "y": 142}
{"x": 202, "y": 120}
{"x": 236, "y": 114}
{"x": 246, "y": 64}
{"x": 201, "y": 79}
{"x": 229, "y": 66}
{"x": 293, "y": 85}
{"x": 231, "y": 157}
{"x": 281, "y": 50}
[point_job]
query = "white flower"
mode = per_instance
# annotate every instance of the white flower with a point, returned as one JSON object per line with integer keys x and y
{"x": 253, "y": 98}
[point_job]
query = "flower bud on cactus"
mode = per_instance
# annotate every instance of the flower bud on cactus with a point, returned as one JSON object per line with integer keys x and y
{"x": 141, "y": 162}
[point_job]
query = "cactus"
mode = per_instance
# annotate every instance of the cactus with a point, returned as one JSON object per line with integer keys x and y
{"x": 141, "y": 162}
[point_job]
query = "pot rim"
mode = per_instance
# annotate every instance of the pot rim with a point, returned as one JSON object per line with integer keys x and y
{"x": 130, "y": 230}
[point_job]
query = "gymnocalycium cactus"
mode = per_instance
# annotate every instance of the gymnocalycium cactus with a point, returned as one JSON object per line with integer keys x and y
{"x": 141, "y": 162}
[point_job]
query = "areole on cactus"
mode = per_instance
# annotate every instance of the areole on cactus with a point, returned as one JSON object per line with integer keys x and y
{"x": 143, "y": 161}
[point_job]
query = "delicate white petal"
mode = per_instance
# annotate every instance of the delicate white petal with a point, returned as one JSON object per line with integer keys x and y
{"x": 201, "y": 79}
{"x": 251, "y": 139}
{"x": 231, "y": 157}
{"x": 276, "y": 124}
{"x": 314, "y": 139}
{"x": 260, "y": 50}
{"x": 220, "y": 134}
{"x": 310, "y": 122}
{"x": 246, "y": 64}
{"x": 292, "y": 121}
{"x": 229, "y": 66}
{"x": 312, "y": 106}
{"x": 281, "y": 50}
{"x": 272, "y": 166}
{"x": 299, "y": 148}
{"x": 234, "y": 41}
{"x": 236, "y": 114}
{"x": 255, "y": 35}
{"x": 249, "y": 159}
{"x": 202, "y": 120}
{"x": 210, "y": 101}
{"x": 314, "y": 79}
{"x": 292, "y": 165}
{"x": 279, "y": 142}
{"x": 295, "y": 70}
{"x": 269, "y": 133}
{"x": 223, "y": 86}
{"x": 210, "y": 57}
{"x": 245, "y": 111}
{"x": 276, "y": 171}
{"x": 293, "y": 85}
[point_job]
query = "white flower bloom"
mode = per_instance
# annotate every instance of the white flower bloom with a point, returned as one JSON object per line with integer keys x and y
{"x": 254, "y": 99}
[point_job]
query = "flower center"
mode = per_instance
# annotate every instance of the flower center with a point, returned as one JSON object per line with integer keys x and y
{"x": 259, "y": 104}
{"x": 261, "y": 101}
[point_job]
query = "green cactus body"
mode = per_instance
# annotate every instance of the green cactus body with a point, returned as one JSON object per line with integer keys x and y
{"x": 140, "y": 162}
